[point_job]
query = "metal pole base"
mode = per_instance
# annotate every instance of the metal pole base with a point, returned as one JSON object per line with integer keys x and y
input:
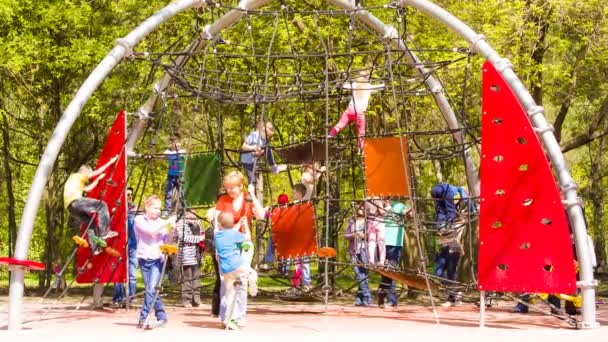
{"x": 585, "y": 325}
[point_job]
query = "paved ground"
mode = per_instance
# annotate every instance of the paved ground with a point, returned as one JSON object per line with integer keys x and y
{"x": 291, "y": 322}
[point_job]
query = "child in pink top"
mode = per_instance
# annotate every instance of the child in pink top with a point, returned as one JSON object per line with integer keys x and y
{"x": 375, "y": 231}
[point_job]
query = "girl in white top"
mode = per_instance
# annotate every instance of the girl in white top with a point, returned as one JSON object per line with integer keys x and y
{"x": 357, "y": 106}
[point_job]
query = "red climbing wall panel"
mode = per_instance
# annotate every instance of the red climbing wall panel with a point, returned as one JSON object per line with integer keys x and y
{"x": 293, "y": 230}
{"x": 112, "y": 191}
{"x": 524, "y": 242}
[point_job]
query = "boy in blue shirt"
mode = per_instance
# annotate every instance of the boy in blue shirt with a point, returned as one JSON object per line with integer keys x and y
{"x": 228, "y": 244}
{"x": 256, "y": 145}
{"x": 175, "y": 158}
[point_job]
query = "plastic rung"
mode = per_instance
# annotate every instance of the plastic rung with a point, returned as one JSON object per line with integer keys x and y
{"x": 13, "y": 263}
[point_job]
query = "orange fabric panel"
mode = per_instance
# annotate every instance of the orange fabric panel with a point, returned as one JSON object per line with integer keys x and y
{"x": 384, "y": 167}
{"x": 293, "y": 230}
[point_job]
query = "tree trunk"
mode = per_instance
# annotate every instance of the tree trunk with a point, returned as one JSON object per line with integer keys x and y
{"x": 541, "y": 21}
{"x": 569, "y": 95}
{"x": 597, "y": 194}
{"x": 12, "y": 222}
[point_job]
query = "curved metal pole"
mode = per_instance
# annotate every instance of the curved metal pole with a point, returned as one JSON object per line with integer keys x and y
{"x": 536, "y": 113}
{"x": 71, "y": 113}
{"x": 211, "y": 31}
{"x": 437, "y": 91}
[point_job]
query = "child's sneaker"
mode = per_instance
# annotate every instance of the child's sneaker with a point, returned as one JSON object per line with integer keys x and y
{"x": 231, "y": 325}
{"x": 253, "y": 283}
{"x": 279, "y": 168}
{"x": 110, "y": 235}
{"x": 160, "y": 324}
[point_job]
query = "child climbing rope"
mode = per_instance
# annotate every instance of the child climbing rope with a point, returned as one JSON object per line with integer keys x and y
{"x": 355, "y": 112}
{"x": 375, "y": 230}
{"x": 282, "y": 199}
{"x": 310, "y": 175}
{"x": 301, "y": 275}
{"x": 175, "y": 157}
{"x": 256, "y": 145}
{"x": 394, "y": 232}
{"x": 357, "y": 249}
{"x": 449, "y": 228}
{"x": 87, "y": 209}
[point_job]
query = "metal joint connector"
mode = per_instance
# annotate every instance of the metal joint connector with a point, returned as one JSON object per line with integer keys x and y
{"x": 125, "y": 44}
{"x": 535, "y": 111}
{"x": 141, "y": 114}
{"x": 582, "y": 284}
{"x": 503, "y": 65}
{"x": 572, "y": 203}
{"x": 569, "y": 186}
{"x": 541, "y": 130}
{"x": 390, "y": 33}
{"x": 208, "y": 34}
{"x": 474, "y": 48}
{"x": 437, "y": 89}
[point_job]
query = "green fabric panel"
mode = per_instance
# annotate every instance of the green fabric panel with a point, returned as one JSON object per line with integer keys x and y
{"x": 202, "y": 178}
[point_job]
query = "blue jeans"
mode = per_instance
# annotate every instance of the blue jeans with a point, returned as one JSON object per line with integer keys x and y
{"x": 522, "y": 308}
{"x": 387, "y": 286}
{"x": 119, "y": 288}
{"x": 269, "y": 258}
{"x": 150, "y": 271}
{"x": 447, "y": 263}
{"x": 172, "y": 182}
{"x": 249, "y": 166}
{"x": 228, "y": 291}
{"x": 364, "y": 296}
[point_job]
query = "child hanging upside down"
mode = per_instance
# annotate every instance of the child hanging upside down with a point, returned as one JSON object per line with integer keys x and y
{"x": 355, "y": 112}
{"x": 87, "y": 209}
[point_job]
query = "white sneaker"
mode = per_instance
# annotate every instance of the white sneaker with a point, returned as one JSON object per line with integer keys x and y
{"x": 447, "y": 304}
{"x": 279, "y": 168}
{"x": 110, "y": 235}
{"x": 252, "y": 279}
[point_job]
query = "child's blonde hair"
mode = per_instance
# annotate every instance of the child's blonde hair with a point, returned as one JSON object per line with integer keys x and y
{"x": 265, "y": 124}
{"x": 150, "y": 199}
{"x": 225, "y": 220}
{"x": 234, "y": 177}
{"x": 85, "y": 170}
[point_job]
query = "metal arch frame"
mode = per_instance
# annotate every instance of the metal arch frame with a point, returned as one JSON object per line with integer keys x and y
{"x": 479, "y": 45}
{"x": 124, "y": 46}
